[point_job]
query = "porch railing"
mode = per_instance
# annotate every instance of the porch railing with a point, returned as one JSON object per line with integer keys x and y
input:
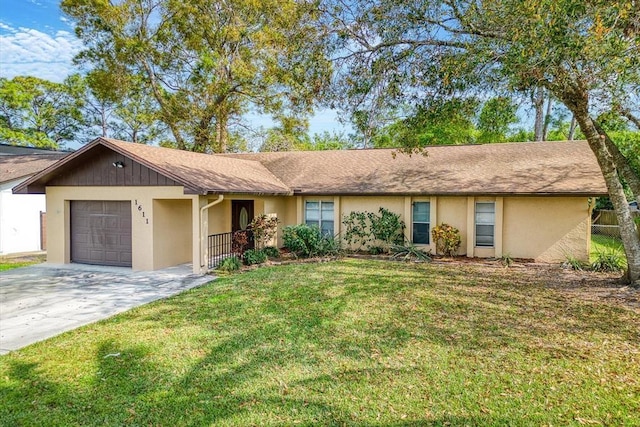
{"x": 225, "y": 245}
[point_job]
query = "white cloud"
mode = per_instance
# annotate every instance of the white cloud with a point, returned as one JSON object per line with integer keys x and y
{"x": 26, "y": 51}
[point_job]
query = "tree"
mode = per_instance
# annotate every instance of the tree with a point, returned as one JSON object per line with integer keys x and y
{"x": 205, "y": 63}
{"x": 495, "y": 118}
{"x": 39, "y": 113}
{"x": 584, "y": 53}
{"x": 439, "y": 122}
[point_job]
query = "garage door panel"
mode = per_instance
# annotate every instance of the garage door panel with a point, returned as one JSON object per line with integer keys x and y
{"x": 101, "y": 232}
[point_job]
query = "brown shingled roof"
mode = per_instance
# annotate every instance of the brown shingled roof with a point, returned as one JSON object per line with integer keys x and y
{"x": 22, "y": 165}
{"x": 535, "y": 168}
{"x": 200, "y": 173}
{"x": 509, "y": 168}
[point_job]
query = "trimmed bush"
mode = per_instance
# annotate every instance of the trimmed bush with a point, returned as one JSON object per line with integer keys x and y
{"x": 447, "y": 239}
{"x": 271, "y": 252}
{"x": 254, "y": 256}
{"x": 230, "y": 264}
{"x": 307, "y": 241}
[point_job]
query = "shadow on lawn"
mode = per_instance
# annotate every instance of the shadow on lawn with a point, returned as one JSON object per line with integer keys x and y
{"x": 250, "y": 335}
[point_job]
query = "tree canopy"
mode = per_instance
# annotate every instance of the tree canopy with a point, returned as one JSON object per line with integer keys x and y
{"x": 584, "y": 53}
{"x": 205, "y": 63}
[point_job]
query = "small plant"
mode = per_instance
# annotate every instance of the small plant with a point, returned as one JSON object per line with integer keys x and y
{"x": 376, "y": 250}
{"x": 609, "y": 260}
{"x": 239, "y": 241}
{"x": 447, "y": 239}
{"x": 230, "y": 264}
{"x": 271, "y": 252}
{"x": 384, "y": 229}
{"x": 506, "y": 260}
{"x": 254, "y": 256}
{"x": 574, "y": 264}
{"x": 307, "y": 241}
{"x": 264, "y": 228}
{"x": 410, "y": 252}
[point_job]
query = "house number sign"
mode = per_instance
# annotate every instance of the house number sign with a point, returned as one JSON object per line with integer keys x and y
{"x": 146, "y": 220}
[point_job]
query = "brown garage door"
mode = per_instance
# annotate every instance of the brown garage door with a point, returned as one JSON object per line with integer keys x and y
{"x": 101, "y": 232}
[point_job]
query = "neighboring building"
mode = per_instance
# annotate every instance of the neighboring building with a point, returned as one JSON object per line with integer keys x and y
{"x": 22, "y": 218}
{"x": 118, "y": 203}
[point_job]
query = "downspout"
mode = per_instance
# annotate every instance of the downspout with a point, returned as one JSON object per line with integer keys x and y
{"x": 203, "y": 222}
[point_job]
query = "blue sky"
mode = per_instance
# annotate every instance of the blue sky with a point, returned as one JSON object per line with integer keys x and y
{"x": 35, "y": 39}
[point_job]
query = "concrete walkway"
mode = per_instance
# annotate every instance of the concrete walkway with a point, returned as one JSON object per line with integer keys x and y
{"x": 44, "y": 300}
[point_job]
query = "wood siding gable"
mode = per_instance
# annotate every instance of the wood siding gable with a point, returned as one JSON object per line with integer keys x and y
{"x": 96, "y": 168}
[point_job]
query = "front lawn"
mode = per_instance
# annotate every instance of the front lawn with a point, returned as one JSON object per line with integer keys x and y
{"x": 346, "y": 343}
{"x": 8, "y": 263}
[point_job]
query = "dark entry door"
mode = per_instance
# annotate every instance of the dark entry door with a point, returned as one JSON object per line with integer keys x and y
{"x": 101, "y": 232}
{"x": 241, "y": 216}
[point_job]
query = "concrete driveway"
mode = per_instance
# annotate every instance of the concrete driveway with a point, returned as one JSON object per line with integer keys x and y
{"x": 44, "y": 300}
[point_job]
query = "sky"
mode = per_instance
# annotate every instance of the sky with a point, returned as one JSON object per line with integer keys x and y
{"x": 36, "y": 40}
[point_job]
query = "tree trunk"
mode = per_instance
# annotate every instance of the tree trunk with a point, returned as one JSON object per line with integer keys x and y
{"x": 547, "y": 119}
{"x": 572, "y": 128}
{"x": 628, "y": 232}
{"x": 622, "y": 164}
{"x": 222, "y": 133}
{"x": 538, "y": 103}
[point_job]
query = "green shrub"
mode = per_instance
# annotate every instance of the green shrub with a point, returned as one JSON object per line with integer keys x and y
{"x": 376, "y": 250}
{"x": 609, "y": 260}
{"x": 385, "y": 229}
{"x": 307, "y": 241}
{"x": 264, "y": 228}
{"x": 271, "y": 252}
{"x": 574, "y": 263}
{"x": 507, "y": 260}
{"x": 254, "y": 256}
{"x": 447, "y": 239}
{"x": 410, "y": 252}
{"x": 230, "y": 264}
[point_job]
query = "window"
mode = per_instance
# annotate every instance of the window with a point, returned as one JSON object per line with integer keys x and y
{"x": 485, "y": 223}
{"x": 421, "y": 214}
{"x": 320, "y": 214}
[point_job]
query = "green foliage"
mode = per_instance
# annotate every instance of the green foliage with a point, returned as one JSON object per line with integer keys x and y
{"x": 308, "y": 241}
{"x": 357, "y": 230}
{"x": 609, "y": 259}
{"x": 264, "y": 228}
{"x": 271, "y": 251}
{"x": 507, "y": 260}
{"x": 204, "y": 64}
{"x": 410, "y": 252}
{"x": 495, "y": 119}
{"x": 39, "y": 113}
{"x": 229, "y": 264}
{"x": 376, "y": 250}
{"x": 575, "y": 264}
{"x": 383, "y": 229}
{"x": 254, "y": 256}
{"x": 447, "y": 239}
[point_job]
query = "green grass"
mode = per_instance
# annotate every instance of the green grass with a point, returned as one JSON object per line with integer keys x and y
{"x": 370, "y": 343}
{"x": 9, "y": 263}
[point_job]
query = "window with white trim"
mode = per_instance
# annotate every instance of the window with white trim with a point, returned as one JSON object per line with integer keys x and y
{"x": 420, "y": 219}
{"x": 485, "y": 223}
{"x": 319, "y": 214}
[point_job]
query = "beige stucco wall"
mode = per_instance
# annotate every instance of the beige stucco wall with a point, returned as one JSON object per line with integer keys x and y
{"x": 172, "y": 233}
{"x": 452, "y": 211}
{"x": 143, "y": 230}
{"x": 546, "y": 228}
{"x": 167, "y": 228}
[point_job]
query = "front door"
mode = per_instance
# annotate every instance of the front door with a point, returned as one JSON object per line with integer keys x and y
{"x": 241, "y": 216}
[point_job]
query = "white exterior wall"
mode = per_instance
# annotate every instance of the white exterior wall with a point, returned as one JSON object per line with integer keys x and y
{"x": 19, "y": 219}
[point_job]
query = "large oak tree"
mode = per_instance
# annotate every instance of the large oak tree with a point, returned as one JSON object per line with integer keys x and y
{"x": 205, "y": 62}
{"x": 584, "y": 53}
